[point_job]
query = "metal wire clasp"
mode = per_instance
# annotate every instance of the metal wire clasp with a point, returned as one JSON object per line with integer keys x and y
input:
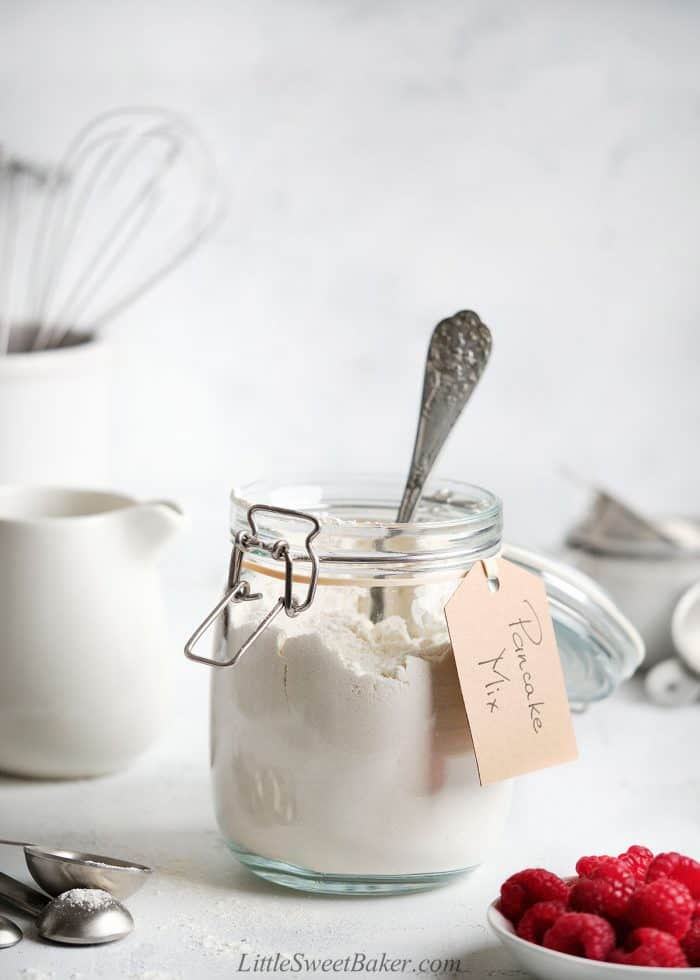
{"x": 239, "y": 591}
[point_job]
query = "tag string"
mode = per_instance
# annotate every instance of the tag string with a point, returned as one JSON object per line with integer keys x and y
{"x": 490, "y": 567}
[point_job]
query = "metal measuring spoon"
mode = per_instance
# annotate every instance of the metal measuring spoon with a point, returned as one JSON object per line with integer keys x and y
{"x": 10, "y": 933}
{"x": 458, "y": 353}
{"x": 57, "y": 870}
{"x": 80, "y": 917}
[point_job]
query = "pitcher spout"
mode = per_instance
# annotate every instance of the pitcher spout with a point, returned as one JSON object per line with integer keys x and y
{"x": 152, "y": 524}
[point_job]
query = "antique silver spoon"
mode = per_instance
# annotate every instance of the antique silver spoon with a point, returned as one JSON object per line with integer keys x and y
{"x": 82, "y": 916}
{"x": 458, "y": 353}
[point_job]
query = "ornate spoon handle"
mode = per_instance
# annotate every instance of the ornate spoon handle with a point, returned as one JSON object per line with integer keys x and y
{"x": 458, "y": 353}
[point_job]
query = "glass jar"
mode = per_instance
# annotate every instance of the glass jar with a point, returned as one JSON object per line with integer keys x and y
{"x": 341, "y": 754}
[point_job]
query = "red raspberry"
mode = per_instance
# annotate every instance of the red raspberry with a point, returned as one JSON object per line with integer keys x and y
{"x": 525, "y": 888}
{"x": 650, "y": 947}
{"x": 638, "y": 859}
{"x": 606, "y": 892}
{"x": 585, "y": 866}
{"x": 663, "y": 904}
{"x": 678, "y": 867}
{"x": 581, "y": 935}
{"x": 690, "y": 944}
{"x": 538, "y": 919}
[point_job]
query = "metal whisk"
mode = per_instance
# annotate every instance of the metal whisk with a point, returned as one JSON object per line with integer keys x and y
{"x": 134, "y": 194}
{"x": 20, "y": 183}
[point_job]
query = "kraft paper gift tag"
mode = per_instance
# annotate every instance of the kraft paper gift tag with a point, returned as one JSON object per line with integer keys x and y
{"x": 509, "y": 671}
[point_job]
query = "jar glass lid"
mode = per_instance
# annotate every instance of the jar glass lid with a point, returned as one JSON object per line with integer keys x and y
{"x": 599, "y": 647}
{"x": 455, "y": 522}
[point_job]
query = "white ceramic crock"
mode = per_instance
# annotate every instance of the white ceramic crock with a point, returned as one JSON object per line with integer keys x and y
{"x": 54, "y": 413}
{"x": 83, "y": 640}
{"x": 645, "y": 583}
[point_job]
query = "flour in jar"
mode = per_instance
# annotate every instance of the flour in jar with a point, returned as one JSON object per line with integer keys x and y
{"x": 342, "y": 746}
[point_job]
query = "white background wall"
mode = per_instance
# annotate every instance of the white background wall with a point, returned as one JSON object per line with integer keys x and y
{"x": 389, "y": 163}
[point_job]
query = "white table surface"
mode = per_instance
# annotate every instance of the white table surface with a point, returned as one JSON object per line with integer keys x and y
{"x": 637, "y": 781}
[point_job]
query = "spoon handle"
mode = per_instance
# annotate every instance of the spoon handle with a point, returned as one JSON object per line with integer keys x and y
{"x": 21, "y": 896}
{"x": 457, "y": 355}
{"x": 458, "y": 352}
{"x": 17, "y": 843}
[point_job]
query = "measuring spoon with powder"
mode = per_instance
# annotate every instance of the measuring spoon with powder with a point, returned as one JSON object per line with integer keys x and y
{"x": 79, "y": 917}
{"x": 57, "y": 870}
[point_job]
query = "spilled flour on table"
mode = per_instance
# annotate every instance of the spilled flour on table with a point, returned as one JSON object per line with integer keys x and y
{"x": 217, "y": 945}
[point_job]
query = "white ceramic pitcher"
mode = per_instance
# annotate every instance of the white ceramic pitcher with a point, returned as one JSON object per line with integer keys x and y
{"x": 83, "y": 638}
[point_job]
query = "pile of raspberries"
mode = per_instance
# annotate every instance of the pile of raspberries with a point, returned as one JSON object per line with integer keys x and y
{"x": 635, "y": 909}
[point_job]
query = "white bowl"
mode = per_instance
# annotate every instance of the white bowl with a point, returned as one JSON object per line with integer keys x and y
{"x": 547, "y": 964}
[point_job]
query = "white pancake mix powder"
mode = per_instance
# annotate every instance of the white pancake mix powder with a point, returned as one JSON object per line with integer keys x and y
{"x": 89, "y": 899}
{"x": 342, "y": 747}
